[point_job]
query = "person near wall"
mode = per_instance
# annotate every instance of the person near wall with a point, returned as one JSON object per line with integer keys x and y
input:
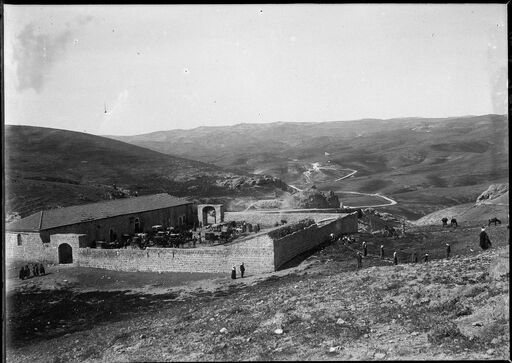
{"x": 41, "y": 269}
{"x": 35, "y": 269}
{"x": 365, "y": 249}
{"x": 425, "y": 258}
{"x": 27, "y": 271}
{"x": 381, "y": 252}
{"x": 22, "y": 273}
{"x": 448, "y": 250}
{"x": 242, "y": 270}
{"x": 233, "y": 272}
{"x": 395, "y": 258}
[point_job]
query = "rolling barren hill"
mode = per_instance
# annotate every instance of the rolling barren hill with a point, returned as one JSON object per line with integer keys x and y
{"x": 424, "y": 164}
{"x": 48, "y": 168}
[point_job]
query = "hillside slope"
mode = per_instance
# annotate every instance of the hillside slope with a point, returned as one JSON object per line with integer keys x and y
{"x": 323, "y": 309}
{"x": 47, "y": 168}
{"x": 491, "y": 205}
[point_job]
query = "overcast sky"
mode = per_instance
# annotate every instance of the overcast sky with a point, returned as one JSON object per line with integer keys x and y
{"x": 165, "y": 67}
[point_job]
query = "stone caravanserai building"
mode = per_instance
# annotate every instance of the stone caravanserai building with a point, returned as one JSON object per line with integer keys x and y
{"x": 85, "y": 224}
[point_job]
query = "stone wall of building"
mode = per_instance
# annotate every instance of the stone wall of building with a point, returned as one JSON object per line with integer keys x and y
{"x": 304, "y": 240}
{"x": 99, "y": 230}
{"x": 256, "y": 254}
{"x": 269, "y": 219}
{"x": 260, "y": 253}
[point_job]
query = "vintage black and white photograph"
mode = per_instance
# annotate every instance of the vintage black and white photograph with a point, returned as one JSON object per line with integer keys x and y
{"x": 258, "y": 182}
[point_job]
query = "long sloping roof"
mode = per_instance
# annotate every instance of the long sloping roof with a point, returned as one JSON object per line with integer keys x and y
{"x": 53, "y": 218}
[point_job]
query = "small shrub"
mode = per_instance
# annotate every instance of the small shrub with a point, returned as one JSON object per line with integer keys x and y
{"x": 443, "y": 330}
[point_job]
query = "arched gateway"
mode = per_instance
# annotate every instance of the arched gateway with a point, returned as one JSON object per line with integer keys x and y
{"x": 210, "y": 213}
{"x": 65, "y": 253}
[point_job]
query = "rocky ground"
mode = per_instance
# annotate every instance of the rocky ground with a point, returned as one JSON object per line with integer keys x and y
{"x": 321, "y": 309}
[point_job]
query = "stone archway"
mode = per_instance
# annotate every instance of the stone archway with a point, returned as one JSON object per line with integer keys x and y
{"x": 204, "y": 210}
{"x": 65, "y": 253}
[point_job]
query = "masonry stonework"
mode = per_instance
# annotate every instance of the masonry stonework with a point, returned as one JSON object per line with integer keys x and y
{"x": 260, "y": 253}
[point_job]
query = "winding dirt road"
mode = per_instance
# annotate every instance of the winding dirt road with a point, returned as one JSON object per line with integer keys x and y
{"x": 316, "y": 167}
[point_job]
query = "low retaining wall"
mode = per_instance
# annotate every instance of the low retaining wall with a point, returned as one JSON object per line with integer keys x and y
{"x": 256, "y": 254}
{"x": 269, "y": 219}
{"x": 299, "y": 242}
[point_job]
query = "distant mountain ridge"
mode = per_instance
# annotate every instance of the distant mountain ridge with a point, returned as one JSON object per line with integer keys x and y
{"x": 424, "y": 163}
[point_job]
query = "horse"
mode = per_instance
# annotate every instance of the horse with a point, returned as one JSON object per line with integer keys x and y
{"x": 494, "y": 220}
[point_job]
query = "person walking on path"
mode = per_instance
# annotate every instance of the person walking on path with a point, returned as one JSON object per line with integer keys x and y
{"x": 233, "y": 272}
{"x": 242, "y": 270}
{"x": 365, "y": 249}
{"x": 485, "y": 241}
{"x": 448, "y": 250}
{"x": 395, "y": 258}
{"x": 381, "y": 252}
{"x": 359, "y": 260}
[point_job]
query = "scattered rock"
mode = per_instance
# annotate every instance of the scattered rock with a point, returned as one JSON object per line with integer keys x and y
{"x": 278, "y": 331}
{"x": 143, "y": 336}
{"x": 223, "y": 331}
{"x": 379, "y": 355}
{"x": 495, "y": 341}
{"x": 414, "y": 333}
{"x": 340, "y": 321}
{"x": 477, "y": 323}
{"x": 490, "y": 351}
{"x": 334, "y": 349}
{"x": 248, "y": 339}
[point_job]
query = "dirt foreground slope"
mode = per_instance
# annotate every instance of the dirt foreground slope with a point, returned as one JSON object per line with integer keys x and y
{"x": 323, "y": 309}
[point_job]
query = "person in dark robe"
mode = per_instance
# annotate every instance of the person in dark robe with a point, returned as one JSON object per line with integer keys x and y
{"x": 485, "y": 241}
{"x": 453, "y": 222}
{"x": 233, "y": 272}
{"x": 35, "y": 269}
{"x": 414, "y": 257}
{"x": 359, "y": 260}
{"x": 395, "y": 258}
{"x": 381, "y": 252}
{"x": 445, "y": 221}
{"x": 22, "y": 273}
{"x": 242, "y": 270}
{"x": 365, "y": 249}
{"x": 448, "y": 250}
{"x": 425, "y": 258}
{"x": 41, "y": 269}
{"x": 27, "y": 271}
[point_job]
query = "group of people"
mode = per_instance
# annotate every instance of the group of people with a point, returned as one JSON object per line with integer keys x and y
{"x": 233, "y": 271}
{"x": 37, "y": 270}
{"x": 485, "y": 243}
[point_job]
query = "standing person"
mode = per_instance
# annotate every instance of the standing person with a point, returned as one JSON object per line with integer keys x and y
{"x": 395, "y": 258}
{"x": 425, "y": 258}
{"x": 485, "y": 241}
{"x": 27, "y": 271}
{"x": 414, "y": 257}
{"x": 233, "y": 272}
{"x": 41, "y": 269}
{"x": 35, "y": 269}
{"x": 448, "y": 250}
{"x": 359, "y": 260}
{"x": 242, "y": 270}
{"x": 22, "y": 273}
{"x": 453, "y": 222}
{"x": 445, "y": 221}
{"x": 365, "y": 249}
{"x": 381, "y": 252}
